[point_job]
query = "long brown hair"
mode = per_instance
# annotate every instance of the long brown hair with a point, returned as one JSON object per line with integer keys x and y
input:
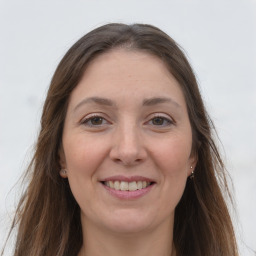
{"x": 48, "y": 217}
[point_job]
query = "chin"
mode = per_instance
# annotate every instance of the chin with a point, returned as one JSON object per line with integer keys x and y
{"x": 126, "y": 229}
{"x": 129, "y": 223}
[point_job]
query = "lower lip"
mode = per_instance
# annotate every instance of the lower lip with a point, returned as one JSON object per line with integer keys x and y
{"x": 128, "y": 194}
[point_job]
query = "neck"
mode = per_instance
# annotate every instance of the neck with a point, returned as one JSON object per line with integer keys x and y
{"x": 98, "y": 242}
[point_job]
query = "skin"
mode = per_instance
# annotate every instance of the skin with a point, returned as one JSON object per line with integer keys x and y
{"x": 128, "y": 138}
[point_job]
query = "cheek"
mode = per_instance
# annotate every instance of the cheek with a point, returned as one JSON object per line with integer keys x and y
{"x": 173, "y": 158}
{"x": 173, "y": 155}
{"x": 82, "y": 154}
{"x": 83, "y": 157}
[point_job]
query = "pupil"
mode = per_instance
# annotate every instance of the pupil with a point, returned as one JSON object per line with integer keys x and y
{"x": 96, "y": 120}
{"x": 158, "y": 121}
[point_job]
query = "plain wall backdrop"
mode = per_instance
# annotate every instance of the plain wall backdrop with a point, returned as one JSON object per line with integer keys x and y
{"x": 219, "y": 38}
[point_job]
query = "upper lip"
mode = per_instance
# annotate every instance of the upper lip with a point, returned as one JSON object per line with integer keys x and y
{"x": 127, "y": 179}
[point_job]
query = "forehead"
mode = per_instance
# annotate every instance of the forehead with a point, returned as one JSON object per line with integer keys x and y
{"x": 127, "y": 73}
{"x": 132, "y": 64}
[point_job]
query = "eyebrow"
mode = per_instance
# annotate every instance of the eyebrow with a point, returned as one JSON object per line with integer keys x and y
{"x": 159, "y": 100}
{"x": 107, "y": 102}
{"x": 97, "y": 100}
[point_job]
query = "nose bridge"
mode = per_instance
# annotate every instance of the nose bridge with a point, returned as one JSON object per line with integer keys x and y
{"x": 128, "y": 145}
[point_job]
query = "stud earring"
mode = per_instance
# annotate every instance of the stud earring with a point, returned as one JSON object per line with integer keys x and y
{"x": 192, "y": 175}
{"x": 63, "y": 173}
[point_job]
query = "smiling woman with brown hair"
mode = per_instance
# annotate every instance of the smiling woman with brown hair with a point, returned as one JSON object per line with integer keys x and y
{"x": 125, "y": 162}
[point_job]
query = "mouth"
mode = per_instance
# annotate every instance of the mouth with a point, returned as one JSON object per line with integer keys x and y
{"x": 121, "y": 185}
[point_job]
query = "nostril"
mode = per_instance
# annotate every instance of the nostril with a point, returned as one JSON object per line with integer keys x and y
{"x": 128, "y": 151}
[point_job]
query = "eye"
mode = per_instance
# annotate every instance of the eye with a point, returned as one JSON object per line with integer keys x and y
{"x": 94, "y": 121}
{"x": 160, "y": 121}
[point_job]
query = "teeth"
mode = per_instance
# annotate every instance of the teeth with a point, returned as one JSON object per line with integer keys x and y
{"x": 111, "y": 184}
{"x": 117, "y": 185}
{"x": 124, "y": 185}
{"x": 139, "y": 184}
{"x": 132, "y": 186}
{"x": 127, "y": 186}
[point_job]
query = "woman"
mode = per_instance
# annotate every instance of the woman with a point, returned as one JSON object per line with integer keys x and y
{"x": 125, "y": 161}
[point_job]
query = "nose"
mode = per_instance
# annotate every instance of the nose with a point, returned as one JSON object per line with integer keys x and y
{"x": 127, "y": 146}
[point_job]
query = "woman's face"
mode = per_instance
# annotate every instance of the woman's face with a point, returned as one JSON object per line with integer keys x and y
{"x": 127, "y": 143}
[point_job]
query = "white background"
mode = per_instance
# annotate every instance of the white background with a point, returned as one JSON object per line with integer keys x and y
{"x": 219, "y": 38}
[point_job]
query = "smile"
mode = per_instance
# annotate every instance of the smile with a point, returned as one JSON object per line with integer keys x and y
{"x": 127, "y": 186}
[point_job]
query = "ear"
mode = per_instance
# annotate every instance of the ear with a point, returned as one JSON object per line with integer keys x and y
{"x": 62, "y": 162}
{"x": 62, "y": 158}
{"x": 192, "y": 163}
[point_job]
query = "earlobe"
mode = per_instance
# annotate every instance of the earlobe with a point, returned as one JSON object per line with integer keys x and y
{"x": 192, "y": 174}
{"x": 193, "y": 162}
{"x": 62, "y": 162}
{"x": 63, "y": 173}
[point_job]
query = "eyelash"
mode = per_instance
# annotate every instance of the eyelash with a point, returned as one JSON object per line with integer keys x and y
{"x": 88, "y": 121}
{"x": 168, "y": 121}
